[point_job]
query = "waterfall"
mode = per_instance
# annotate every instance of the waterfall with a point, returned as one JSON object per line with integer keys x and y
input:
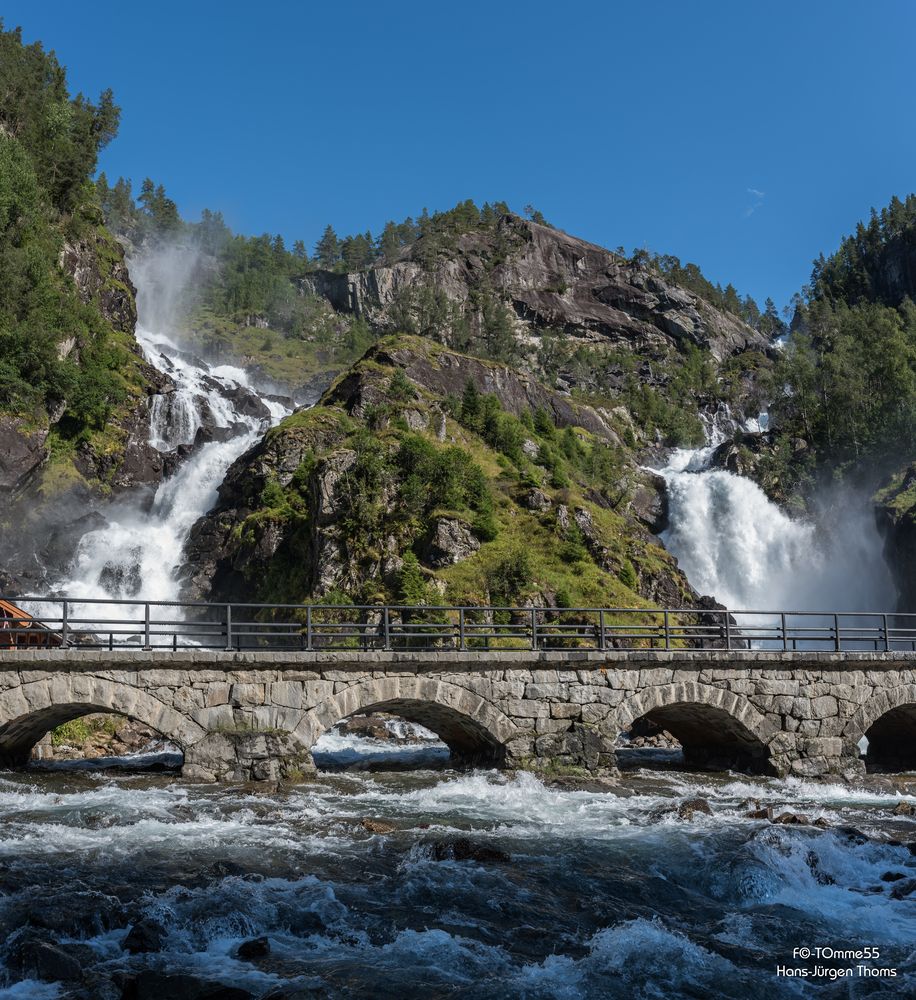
{"x": 734, "y": 543}
{"x": 212, "y": 416}
{"x": 137, "y": 552}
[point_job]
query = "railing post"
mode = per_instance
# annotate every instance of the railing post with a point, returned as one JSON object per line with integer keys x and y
{"x": 785, "y": 641}
{"x": 728, "y": 631}
{"x": 836, "y": 632}
{"x": 228, "y": 628}
{"x": 146, "y": 635}
{"x": 886, "y": 639}
{"x": 534, "y": 628}
{"x": 667, "y": 633}
{"x": 461, "y": 636}
{"x": 64, "y": 625}
{"x": 308, "y": 628}
{"x": 602, "y": 639}
{"x": 386, "y": 620}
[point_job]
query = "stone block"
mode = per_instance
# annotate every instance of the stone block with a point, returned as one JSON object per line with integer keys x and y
{"x": 547, "y": 691}
{"x": 247, "y": 694}
{"x": 566, "y": 710}
{"x": 524, "y": 709}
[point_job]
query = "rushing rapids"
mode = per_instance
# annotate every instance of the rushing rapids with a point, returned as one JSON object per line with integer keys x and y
{"x": 473, "y": 884}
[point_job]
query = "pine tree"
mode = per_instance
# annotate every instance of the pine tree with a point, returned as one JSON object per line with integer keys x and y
{"x": 327, "y": 250}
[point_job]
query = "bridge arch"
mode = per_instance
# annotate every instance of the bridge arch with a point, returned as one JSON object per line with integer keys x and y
{"x": 713, "y": 725}
{"x": 473, "y": 728}
{"x": 30, "y": 710}
{"x": 888, "y": 721}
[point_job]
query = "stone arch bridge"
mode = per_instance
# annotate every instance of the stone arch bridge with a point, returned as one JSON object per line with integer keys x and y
{"x": 256, "y": 715}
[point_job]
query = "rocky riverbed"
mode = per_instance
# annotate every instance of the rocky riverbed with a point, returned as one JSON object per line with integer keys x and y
{"x": 442, "y": 883}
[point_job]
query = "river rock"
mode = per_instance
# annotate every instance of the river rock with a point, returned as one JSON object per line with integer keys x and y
{"x": 904, "y": 889}
{"x": 146, "y": 935}
{"x": 892, "y": 876}
{"x": 464, "y": 849}
{"x": 377, "y": 826}
{"x": 35, "y": 957}
{"x": 692, "y": 807}
{"x": 153, "y": 985}
{"x": 904, "y": 809}
{"x": 250, "y": 951}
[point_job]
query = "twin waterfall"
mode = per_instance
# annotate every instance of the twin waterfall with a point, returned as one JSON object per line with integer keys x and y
{"x": 731, "y": 541}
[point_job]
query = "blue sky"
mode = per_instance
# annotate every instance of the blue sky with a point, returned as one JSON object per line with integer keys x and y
{"x": 745, "y": 137}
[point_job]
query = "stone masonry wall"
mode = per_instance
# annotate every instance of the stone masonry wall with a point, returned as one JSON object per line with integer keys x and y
{"x": 256, "y": 715}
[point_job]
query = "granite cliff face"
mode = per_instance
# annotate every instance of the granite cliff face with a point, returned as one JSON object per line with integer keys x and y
{"x": 387, "y": 467}
{"x": 550, "y": 280}
{"x": 895, "y": 509}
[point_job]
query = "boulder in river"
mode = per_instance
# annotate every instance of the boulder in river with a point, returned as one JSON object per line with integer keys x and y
{"x": 37, "y": 958}
{"x": 904, "y": 889}
{"x": 463, "y": 849}
{"x": 692, "y": 807}
{"x": 254, "y": 949}
{"x": 145, "y": 936}
{"x": 151, "y": 985}
{"x": 377, "y": 826}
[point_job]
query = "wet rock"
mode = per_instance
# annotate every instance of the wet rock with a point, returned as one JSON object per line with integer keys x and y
{"x": 22, "y": 451}
{"x": 144, "y": 937}
{"x": 762, "y": 813}
{"x": 297, "y": 993}
{"x": 904, "y": 889}
{"x": 250, "y": 951}
{"x": 852, "y": 836}
{"x": 692, "y": 807}
{"x": 151, "y": 985}
{"x": 466, "y": 850}
{"x": 74, "y": 913}
{"x": 892, "y": 876}
{"x": 365, "y": 725}
{"x": 377, "y": 826}
{"x": 814, "y": 864}
{"x": 36, "y": 958}
{"x": 224, "y": 869}
{"x": 904, "y": 809}
{"x": 791, "y": 819}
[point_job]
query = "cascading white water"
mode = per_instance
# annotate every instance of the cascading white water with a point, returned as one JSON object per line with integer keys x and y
{"x": 137, "y": 553}
{"x": 735, "y": 544}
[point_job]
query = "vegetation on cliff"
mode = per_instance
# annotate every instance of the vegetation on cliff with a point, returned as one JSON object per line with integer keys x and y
{"x": 426, "y": 476}
{"x": 843, "y": 391}
{"x": 69, "y": 369}
{"x": 58, "y": 352}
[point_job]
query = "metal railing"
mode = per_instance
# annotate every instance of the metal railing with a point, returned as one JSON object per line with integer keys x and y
{"x": 80, "y": 624}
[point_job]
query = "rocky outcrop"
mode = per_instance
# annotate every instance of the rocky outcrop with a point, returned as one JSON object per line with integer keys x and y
{"x": 446, "y": 372}
{"x": 22, "y": 452}
{"x": 895, "y": 509}
{"x": 286, "y": 525}
{"x": 96, "y": 264}
{"x": 551, "y": 281}
{"x": 451, "y": 541}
